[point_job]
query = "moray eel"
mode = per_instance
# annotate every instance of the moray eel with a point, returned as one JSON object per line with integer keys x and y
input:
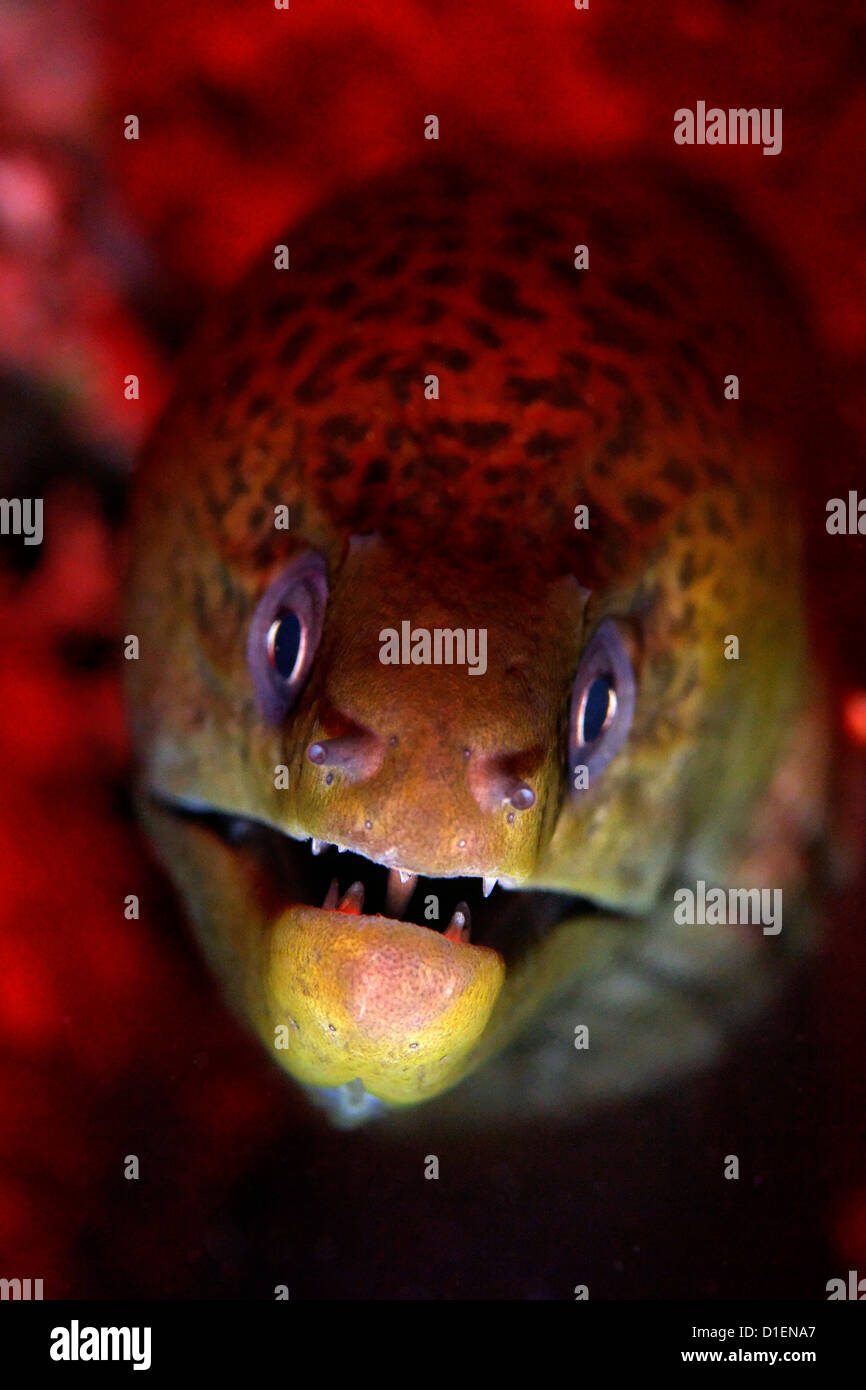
{"x": 432, "y": 426}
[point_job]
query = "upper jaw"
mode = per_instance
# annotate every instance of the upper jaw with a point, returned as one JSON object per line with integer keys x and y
{"x": 508, "y": 914}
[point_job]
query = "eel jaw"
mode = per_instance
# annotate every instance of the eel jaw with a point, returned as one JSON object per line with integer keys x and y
{"x": 347, "y": 996}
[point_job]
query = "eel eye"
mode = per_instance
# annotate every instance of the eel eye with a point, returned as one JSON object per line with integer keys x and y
{"x": 602, "y": 701}
{"x": 284, "y": 634}
{"x": 286, "y": 644}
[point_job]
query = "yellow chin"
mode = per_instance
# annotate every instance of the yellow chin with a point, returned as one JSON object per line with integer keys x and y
{"x": 393, "y": 1004}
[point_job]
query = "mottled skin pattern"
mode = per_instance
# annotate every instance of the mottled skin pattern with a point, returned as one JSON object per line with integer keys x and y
{"x": 558, "y": 387}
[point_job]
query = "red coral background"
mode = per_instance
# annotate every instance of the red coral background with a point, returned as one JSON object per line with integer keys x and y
{"x": 112, "y": 1041}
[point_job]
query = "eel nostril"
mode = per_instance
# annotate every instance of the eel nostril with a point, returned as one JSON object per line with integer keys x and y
{"x": 358, "y": 754}
{"x": 493, "y": 786}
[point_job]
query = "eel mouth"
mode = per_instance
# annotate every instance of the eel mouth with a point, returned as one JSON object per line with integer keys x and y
{"x": 358, "y": 972}
{"x": 496, "y": 913}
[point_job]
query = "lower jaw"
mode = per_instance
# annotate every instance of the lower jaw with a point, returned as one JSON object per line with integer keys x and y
{"x": 347, "y": 997}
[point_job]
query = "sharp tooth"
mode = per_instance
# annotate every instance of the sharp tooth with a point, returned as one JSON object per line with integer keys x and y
{"x": 352, "y": 900}
{"x": 318, "y": 845}
{"x": 331, "y": 896}
{"x": 487, "y": 886}
{"x": 459, "y": 928}
{"x": 401, "y": 886}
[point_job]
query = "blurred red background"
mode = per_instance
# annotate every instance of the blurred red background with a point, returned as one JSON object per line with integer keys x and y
{"x": 112, "y": 1041}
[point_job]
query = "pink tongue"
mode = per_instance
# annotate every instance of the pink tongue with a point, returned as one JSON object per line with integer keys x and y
{"x": 395, "y": 1004}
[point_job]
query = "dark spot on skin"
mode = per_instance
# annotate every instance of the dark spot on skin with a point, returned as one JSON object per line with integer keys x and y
{"x": 237, "y": 377}
{"x": 256, "y": 518}
{"x": 579, "y": 361}
{"x": 563, "y": 396}
{"x": 493, "y": 476}
{"x": 609, "y": 233}
{"x": 628, "y": 436}
{"x": 263, "y": 553}
{"x": 526, "y": 390}
{"x": 236, "y": 325}
{"x": 372, "y": 369}
{"x": 670, "y": 409}
{"x": 442, "y": 426}
{"x": 678, "y": 473}
{"x": 258, "y": 404}
{"x": 641, "y": 296}
{"x": 278, "y": 309}
{"x": 314, "y": 388}
{"x": 715, "y": 521}
{"x": 543, "y": 444}
{"x": 565, "y": 272}
{"x": 295, "y": 344}
{"x": 484, "y": 333}
{"x": 643, "y": 508}
{"x": 447, "y": 245}
{"x": 402, "y": 379}
{"x": 455, "y": 359}
{"x": 499, "y": 295}
{"x": 614, "y": 374}
{"x": 431, "y": 311}
{"x": 335, "y": 466}
{"x": 238, "y": 489}
{"x": 318, "y": 385}
{"x": 389, "y": 265}
{"x": 378, "y": 470}
{"x": 505, "y": 501}
{"x": 443, "y": 274}
{"x": 609, "y": 331}
{"x": 330, "y": 256}
{"x": 691, "y": 355}
{"x": 530, "y": 223}
{"x": 484, "y": 434}
{"x": 687, "y": 571}
{"x": 518, "y": 247}
{"x": 716, "y": 472}
{"x": 393, "y": 437}
{"x": 341, "y": 294}
{"x": 450, "y": 466}
{"x": 347, "y": 428}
